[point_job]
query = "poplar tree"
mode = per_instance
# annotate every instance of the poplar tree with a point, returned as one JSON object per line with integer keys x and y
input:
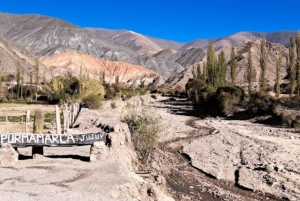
{"x": 263, "y": 65}
{"x": 22, "y": 83}
{"x": 199, "y": 72}
{"x": 211, "y": 65}
{"x": 0, "y": 85}
{"x": 31, "y": 87}
{"x": 103, "y": 77}
{"x": 278, "y": 67}
{"x": 4, "y": 80}
{"x": 292, "y": 64}
{"x": 37, "y": 68}
{"x": 232, "y": 65}
{"x": 250, "y": 71}
{"x": 18, "y": 79}
{"x": 221, "y": 70}
{"x": 204, "y": 71}
{"x": 298, "y": 63}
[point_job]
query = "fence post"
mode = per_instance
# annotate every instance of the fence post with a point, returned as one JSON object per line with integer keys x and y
{"x": 57, "y": 114}
{"x": 27, "y": 121}
{"x": 6, "y": 122}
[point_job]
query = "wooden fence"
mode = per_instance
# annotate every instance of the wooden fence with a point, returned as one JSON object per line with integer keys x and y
{"x": 69, "y": 113}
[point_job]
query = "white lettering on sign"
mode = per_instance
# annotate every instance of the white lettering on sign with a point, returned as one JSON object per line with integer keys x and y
{"x": 51, "y": 139}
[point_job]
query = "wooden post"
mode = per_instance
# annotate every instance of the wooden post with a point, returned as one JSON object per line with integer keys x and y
{"x": 27, "y": 121}
{"x": 6, "y": 122}
{"x": 57, "y": 114}
{"x": 22, "y": 124}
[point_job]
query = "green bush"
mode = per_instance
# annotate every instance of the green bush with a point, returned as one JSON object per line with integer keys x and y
{"x": 262, "y": 103}
{"x": 89, "y": 87}
{"x": 61, "y": 88}
{"x": 113, "y": 105}
{"x": 228, "y": 97}
{"x": 144, "y": 125}
{"x": 92, "y": 101}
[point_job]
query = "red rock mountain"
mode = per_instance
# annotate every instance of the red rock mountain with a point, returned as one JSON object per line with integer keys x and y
{"x": 76, "y": 63}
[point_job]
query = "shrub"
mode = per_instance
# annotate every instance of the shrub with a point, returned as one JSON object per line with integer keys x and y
{"x": 297, "y": 125}
{"x": 89, "y": 87}
{"x": 113, "y": 105}
{"x": 62, "y": 88}
{"x": 144, "y": 125}
{"x": 38, "y": 121}
{"x": 228, "y": 97}
{"x": 92, "y": 101}
{"x": 262, "y": 103}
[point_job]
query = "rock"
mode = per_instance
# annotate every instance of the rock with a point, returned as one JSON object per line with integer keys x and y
{"x": 256, "y": 178}
{"x": 292, "y": 137}
{"x": 8, "y": 155}
{"x": 134, "y": 102}
{"x": 99, "y": 152}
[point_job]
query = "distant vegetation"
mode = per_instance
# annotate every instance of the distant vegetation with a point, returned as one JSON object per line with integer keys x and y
{"x": 210, "y": 92}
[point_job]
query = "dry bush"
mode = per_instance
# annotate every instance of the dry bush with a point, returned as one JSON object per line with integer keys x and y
{"x": 92, "y": 101}
{"x": 144, "y": 124}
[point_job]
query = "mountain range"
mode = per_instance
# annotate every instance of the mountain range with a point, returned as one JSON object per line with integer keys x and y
{"x": 41, "y": 37}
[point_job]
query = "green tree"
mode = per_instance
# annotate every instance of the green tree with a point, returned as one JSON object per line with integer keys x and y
{"x": 221, "y": 70}
{"x": 204, "y": 71}
{"x": 117, "y": 79}
{"x": 22, "y": 83}
{"x": 292, "y": 65}
{"x": 298, "y": 63}
{"x": 1, "y": 85}
{"x": 18, "y": 79}
{"x": 37, "y": 68}
{"x": 278, "y": 67}
{"x": 211, "y": 65}
{"x": 199, "y": 72}
{"x": 31, "y": 86}
{"x": 263, "y": 65}
{"x": 232, "y": 65}
{"x": 250, "y": 71}
{"x": 44, "y": 76}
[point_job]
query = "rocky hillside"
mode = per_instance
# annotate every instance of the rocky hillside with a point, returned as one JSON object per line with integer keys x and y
{"x": 89, "y": 66}
{"x": 281, "y": 37}
{"x": 42, "y": 36}
{"x": 272, "y": 49}
{"x": 144, "y": 45}
{"x": 11, "y": 57}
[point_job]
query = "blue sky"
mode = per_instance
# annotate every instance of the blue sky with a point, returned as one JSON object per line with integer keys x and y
{"x": 181, "y": 21}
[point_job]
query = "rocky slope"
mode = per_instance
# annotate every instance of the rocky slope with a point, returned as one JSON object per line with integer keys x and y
{"x": 10, "y": 56}
{"x": 272, "y": 49}
{"x": 281, "y": 37}
{"x": 72, "y": 62}
{"x": 138, "y": 42}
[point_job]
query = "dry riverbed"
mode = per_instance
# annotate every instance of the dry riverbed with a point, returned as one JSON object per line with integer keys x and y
{"x": 196, "y": 159}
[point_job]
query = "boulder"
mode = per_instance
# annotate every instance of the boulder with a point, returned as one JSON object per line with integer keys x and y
{"x": 99, "y": 152}
{"x": 8, "y": 155}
